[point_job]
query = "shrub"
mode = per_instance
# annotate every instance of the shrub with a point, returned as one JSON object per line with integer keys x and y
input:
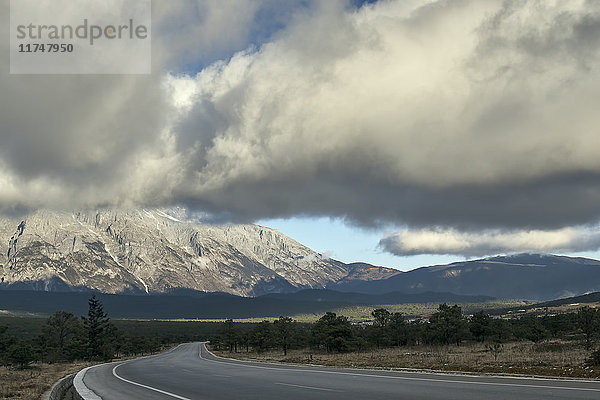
{"x": 593, "y": 359}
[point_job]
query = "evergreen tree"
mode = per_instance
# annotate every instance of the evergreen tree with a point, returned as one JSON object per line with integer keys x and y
{"x": 532, "y": 328}
{"x": 262, "y": 337}
{"x": 379, "y": 332}
{"x": 448, "y": 324}
{"x": 61, "y": 336}
{"x": 398, "y": 329}
{"x": 332, "y": 332}
{"x": 230, "y": 335}
{"x": 284, "y": 330}
{"x": 588, "y": 323}
{"x": 381, "y": 317}
{"x": 500, "y": 330}
{"x": 479, "y": 325}
{"x": 97, "y": 325}
{"x": 21, "y": 354}
{"x": 6, "y": 341}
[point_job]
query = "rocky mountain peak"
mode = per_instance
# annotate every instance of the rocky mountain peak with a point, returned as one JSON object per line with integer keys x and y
{"x": 158, "y": 251}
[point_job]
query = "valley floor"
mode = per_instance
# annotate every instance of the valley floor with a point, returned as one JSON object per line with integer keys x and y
{"x": 551, "y": 358}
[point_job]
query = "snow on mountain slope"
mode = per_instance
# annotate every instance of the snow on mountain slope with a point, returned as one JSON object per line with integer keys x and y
{"x": 157, "y": 251}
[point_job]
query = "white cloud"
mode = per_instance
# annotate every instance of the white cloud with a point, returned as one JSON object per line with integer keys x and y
{"x": 490, "y": 242}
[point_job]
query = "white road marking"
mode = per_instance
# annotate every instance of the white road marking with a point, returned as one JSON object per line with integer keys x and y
{"x": 306, "y": 387}
{"x": 406, "y": 378}
{"x": 114, "y": 371}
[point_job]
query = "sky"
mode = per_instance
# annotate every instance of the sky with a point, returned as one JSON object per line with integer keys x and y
{"x": 335, "y": 239}
{"x": 397, "y": 132}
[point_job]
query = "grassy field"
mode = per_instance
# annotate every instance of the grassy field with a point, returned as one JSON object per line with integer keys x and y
{"x": 550, "y": 310}
{"x": 8, "y": 313}
{"x": 354, "y": 313}
{"x": 362, "y": 313}
{"x": 552, "y": 358}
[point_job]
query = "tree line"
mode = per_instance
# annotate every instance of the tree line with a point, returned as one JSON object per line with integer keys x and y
{"x": 66, "y": 338}
{"x": 447, "y": 326}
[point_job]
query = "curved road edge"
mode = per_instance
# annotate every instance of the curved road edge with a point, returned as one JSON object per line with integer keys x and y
{"x": 88, "y": 394}
{"x": 82, "y": 390}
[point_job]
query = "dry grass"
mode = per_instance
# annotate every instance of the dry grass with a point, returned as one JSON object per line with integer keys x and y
{"x": 555, "y": 358}
{"x": 33, "y": 382}
{"x": 30, "y": 384}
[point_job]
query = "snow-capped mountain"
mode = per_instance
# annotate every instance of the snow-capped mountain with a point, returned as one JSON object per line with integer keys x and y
{"x": 158, "y": 251}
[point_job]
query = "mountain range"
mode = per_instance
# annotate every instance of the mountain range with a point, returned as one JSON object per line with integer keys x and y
{"x": 166, "y": 252}
{"x": 520, "y": 276}
{"x": 160, "y": 251}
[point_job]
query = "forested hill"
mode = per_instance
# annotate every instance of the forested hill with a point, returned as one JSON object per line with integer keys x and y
{"x": 210, "y": 305}
{"x": 523, "y": 276}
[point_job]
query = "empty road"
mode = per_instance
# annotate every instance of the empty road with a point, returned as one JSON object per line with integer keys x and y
{"x": 191, "y": 372}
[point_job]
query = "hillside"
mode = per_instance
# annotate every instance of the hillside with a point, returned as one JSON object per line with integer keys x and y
{"x": 589, "y": 298}
{"x": 208, "y": 306}
{"x": 523, "y": 276}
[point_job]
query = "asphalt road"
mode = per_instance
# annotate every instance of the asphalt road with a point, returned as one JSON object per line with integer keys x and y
{"x": 191, "y": 372}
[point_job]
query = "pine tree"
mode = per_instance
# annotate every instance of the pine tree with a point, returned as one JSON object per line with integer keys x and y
{"x": 284, "y": 329}
{"x": 263, "y": 337}
{"x": 230, "y": 335}
{"x": 479, "y": 325}
{"x": 588, "y": 323}
{"x": 97, "y": 325}
{"x": 448, "y": 324}
{"x": 332, "y": 332}
{"x": 61, "y": 336}
{"x": 21, "y": 354}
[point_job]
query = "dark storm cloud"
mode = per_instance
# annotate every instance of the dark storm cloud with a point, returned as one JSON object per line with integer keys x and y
{"x": 463, "y": 115}
{"x": 569, "y": 200}
{"x": 416, "y": 117}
